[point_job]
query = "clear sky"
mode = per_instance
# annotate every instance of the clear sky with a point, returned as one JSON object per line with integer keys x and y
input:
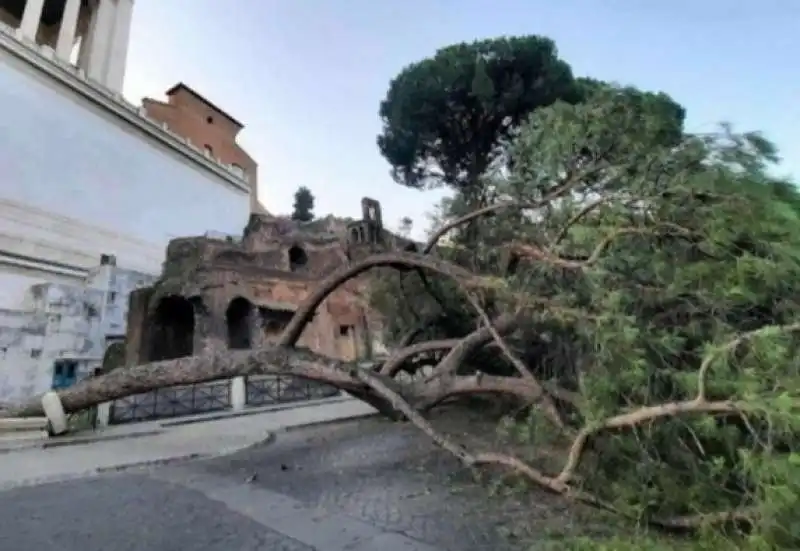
{"x": 306, "y": 76}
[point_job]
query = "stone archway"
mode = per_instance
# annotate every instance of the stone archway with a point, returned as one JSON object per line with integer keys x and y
{"x": 239, "y": 322}
{"x": 172, "y": 329}
{"x": 114, "y": 357}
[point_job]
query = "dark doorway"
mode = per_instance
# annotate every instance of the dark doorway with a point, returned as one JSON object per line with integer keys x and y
{"x": 297, "y": 258}
{"x": 172, "y": 331}
{"x": 240, "y": 323}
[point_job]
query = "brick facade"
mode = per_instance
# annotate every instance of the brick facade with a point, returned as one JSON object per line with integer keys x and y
{"x": 240, "y": 293}
{"x": 193, "y": 117}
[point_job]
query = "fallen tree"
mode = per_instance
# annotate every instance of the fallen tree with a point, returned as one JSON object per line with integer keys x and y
{"x": 645, "y": 314}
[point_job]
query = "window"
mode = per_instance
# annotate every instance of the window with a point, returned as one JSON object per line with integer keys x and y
{"x": 344, "y": 330}
{"x": 36, "y": 352}
{"x": 210, "y": 120}
{"x": 65, "y": 368}
{"x": 112, "y": 296}
{"x": 208, "y": 150}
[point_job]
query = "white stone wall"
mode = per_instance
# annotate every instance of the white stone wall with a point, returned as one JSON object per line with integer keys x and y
{"x": 79, "y": 181}
{"x": 63, "y": 321}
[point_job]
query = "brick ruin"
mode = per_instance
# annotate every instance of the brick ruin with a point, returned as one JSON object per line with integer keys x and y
{"x": 238, "y": 293}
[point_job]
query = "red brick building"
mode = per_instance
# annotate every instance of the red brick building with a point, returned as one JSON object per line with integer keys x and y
{"x": 193, "y": 117}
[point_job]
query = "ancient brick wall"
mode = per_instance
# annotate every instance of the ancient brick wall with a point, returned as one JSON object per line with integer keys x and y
{"x": 241, "y": 292}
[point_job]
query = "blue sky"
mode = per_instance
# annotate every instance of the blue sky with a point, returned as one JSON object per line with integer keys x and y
{"x": 306, "y": 76}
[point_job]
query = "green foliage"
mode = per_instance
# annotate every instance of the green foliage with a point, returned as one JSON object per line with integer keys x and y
{"x": 659, "y": 301}
{"x": 444, "y": 117}
{"x": 405, "y": 226}
{"x": 303, "y": 205}
{"x": 693, "y": 245}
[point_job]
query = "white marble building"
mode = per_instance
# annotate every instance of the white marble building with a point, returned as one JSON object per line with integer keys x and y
{"x": 85, "y": 174}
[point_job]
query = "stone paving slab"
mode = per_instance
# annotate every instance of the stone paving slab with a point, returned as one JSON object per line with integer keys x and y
{"x": 316, "y": 527}
{"x": 391, "y": 476}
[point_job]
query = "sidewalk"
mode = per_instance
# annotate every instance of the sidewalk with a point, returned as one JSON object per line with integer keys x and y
{"x": 149, "y": 443}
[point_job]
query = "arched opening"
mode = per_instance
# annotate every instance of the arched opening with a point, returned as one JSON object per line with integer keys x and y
{"x": 297, "y": 258}
{"x": 238, "y": 318}
{"x": 346, "y": 342}
{"x": 114, "y": 357}
{"x": 172, "y": 329}
{"x": 354, "y": 236}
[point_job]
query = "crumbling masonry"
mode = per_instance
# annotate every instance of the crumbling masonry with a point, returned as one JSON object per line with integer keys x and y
{"x": 219, "y": 292}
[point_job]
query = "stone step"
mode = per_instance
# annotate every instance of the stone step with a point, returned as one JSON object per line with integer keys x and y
{"x": 22, "y": 424}
{"x": 21, "y": 437}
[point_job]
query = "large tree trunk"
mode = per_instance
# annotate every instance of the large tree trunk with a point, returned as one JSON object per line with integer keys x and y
{"x": 198, "y": 369}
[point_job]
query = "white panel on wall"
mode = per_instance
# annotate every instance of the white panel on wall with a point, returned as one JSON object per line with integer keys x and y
{"x": 120, "y": 192}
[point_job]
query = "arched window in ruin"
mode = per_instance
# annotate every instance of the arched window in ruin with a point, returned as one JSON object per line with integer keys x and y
{"x": 114, "y": 357}
{"x": 239, "y": 321}
{"x": 172, "y": 329}
{"x": 297, "y": 258}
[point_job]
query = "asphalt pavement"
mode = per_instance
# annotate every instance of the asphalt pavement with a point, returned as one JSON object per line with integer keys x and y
{"x": 358, "y": 486}
{"x": 128, "y": 512}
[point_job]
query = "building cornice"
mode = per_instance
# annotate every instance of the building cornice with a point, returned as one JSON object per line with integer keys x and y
{"x": 43, "y": 58}
{"x": 10, "y": 258}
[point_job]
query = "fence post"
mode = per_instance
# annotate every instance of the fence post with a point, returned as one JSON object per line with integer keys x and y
{"x": 238, "y": 393}
{"x": 103, "y": 414}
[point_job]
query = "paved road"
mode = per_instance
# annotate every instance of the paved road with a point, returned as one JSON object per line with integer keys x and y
{"x": 391, "y": 476}
{"x": 359, "y": 486}
{"x": 128, "y": 512}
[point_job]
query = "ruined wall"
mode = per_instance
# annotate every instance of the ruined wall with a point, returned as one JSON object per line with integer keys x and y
{"x": 240, "y": 292}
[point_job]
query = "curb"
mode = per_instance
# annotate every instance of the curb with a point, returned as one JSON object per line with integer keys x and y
{"x": 153, "y": 463}
{"x": 253, "y": 411}
{"x": 323, "y": 422}
{"x": 99, "y": 438}
{"x": 77, "y": 441}
{"x": 268, "y": 439}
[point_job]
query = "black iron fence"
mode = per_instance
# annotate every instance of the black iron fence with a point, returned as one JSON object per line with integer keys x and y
{"x": 172, "y": 402}
{"x": 276, "y": 389}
